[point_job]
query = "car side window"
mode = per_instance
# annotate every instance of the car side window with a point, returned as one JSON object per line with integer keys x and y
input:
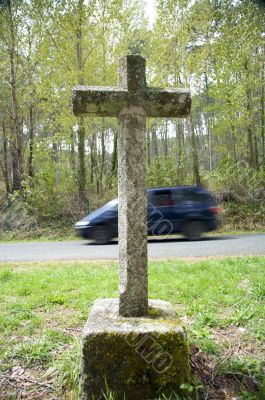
{"x": 162, "y": 198}
{"x": 149, "y": 198}
{"x": 176, "y": 196}
{"x": 194, "y": 197}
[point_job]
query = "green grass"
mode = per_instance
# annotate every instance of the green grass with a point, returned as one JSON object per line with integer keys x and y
{"x": 44, "y": 307}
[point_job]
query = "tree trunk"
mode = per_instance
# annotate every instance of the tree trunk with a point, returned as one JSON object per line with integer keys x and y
{"x": 81, "y": 163}
{"x": 16, "y": 185}
{"x": 232, "y": 132}
{"x": 233, "y": 142}
{"x": 250, "y": 146}
{"x": 209, "y": 136}
{"x": 209, "y": 133}
{"x": 256, "y": 151}
{"x": 154, "y": 143}
{"x": 17, "y": 139}
{"x": 55, "y": 159}
{"x": 72, "y": 152}
{"x": 194, "y": 151}
{"x": 92, "y": 158}
{"x": 5, "y": 159}
{"x": 31, "y": 140}
{"x": 179, "y": 153}
{"x": 262, "y": 108}
{"x": 148, "y": 144}
{"x": 103, "y": 152}
{"x": 114, "y": 159}
{"x": 83, "y": 201}
{"x": 166, "y": 140}
{"x": 250, "y": 134}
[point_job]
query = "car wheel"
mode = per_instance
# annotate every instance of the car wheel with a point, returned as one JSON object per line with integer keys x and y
{"x": 101, "y": 234}
{"x": 193, "y": 230}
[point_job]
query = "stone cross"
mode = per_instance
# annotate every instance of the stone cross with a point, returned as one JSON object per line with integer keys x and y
{"x": 132, "y": 101}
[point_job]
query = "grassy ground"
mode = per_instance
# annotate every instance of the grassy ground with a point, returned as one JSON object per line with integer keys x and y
{"x": 44, "y": 307}
{"x": 39, "y": 232}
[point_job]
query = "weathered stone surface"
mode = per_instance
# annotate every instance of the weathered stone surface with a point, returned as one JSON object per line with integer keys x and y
{"x": 100, "y": 101}
{"x": 132, "y": 213}
{"x": 132, "y": 73}
{"x": 135, "y": 357}
{"x": 132, "y": 90}
{"x": 131, "y": 102}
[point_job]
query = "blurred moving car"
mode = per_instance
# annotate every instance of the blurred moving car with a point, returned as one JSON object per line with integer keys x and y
{"x": 189, "y": 210}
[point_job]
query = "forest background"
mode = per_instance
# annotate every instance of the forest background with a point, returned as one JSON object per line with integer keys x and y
{"x": 55, "y": 167}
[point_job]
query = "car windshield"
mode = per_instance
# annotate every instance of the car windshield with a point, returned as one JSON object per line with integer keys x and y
{"x": 111, "y": 205}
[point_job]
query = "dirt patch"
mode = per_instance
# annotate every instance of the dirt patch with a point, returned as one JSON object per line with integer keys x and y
{"x": 216, "y": 386}
{"x": 30, "y": 384}
{"x": 236, "y": 341}
{"x": 38, "y": 383}
{"x": 60, "y": 318}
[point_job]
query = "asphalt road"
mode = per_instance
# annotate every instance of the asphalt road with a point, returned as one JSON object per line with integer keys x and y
{"x": 222, "y": 245}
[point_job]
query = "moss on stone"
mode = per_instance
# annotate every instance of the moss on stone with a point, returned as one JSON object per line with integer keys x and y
{"x": 137, "y": 356}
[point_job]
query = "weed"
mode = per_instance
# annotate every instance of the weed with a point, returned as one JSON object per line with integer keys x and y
{"x": 5, "y": 275}
{"x": 31, "y": 352}
{"x": 203, "y": 338}
{"x": 243, "y": 367}
{"x": 68, "y": 365}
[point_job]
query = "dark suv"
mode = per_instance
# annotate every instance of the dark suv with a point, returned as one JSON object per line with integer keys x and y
{"x": 189, "y": 210}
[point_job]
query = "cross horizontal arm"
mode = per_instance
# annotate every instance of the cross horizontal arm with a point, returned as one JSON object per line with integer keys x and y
{"x": 109, "y": 101}
{"x": 167, "y": 103}
{"x": 99, "y": 101}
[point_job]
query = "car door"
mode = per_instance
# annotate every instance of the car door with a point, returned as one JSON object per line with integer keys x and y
{"x": 193, "y": 204}
{"x": 161, "y": 212}
{"x": 110, "y": 218}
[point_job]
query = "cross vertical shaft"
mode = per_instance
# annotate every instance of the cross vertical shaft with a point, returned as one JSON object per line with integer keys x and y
{"x": 133, "y": 274}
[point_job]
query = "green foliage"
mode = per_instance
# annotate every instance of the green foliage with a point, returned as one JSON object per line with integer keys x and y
{"x": 162, "y": 172}
{"x": 240, "y": 178}
{"x": 243, "y": 216}
{"x": 215, "y": 48}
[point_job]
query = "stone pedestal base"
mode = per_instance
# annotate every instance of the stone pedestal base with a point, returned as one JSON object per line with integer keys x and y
{"x": 134, "y": 358}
